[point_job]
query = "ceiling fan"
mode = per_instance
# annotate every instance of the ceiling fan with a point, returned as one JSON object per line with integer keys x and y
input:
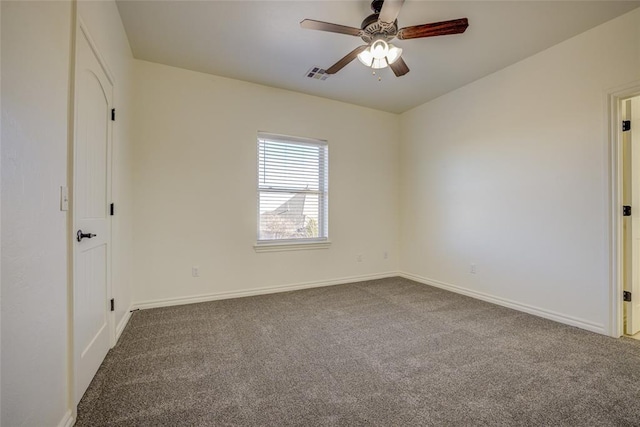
{"x": 377, "y": 30}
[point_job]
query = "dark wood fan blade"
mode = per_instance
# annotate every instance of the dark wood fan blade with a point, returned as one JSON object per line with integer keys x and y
{"x": 399, "y": 67}
{"x": 455, "y": 26}
{"x": 311, "y": 24}
{"x": 344, "y": 61}
{"x": 390, "y": 10}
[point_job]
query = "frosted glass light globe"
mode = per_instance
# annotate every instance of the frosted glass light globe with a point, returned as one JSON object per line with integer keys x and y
{"x": 365, "y": 57}
{"x": 394, "y": 54}
{"x": 379, "y": 49}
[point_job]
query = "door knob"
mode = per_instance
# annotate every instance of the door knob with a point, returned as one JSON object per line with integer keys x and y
{"x": 82, "y": 235}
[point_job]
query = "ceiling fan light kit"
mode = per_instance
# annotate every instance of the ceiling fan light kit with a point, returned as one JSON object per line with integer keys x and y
{"x": 368, "y": 57}
{"x": 377, "y": 30}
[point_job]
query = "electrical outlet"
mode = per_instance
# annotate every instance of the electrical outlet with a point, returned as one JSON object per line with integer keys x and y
{"x": 472, "y": 269}
{"x": 195, "y": 271}
{"x": 359, "y": 258}
{"x": 385, "y": 255}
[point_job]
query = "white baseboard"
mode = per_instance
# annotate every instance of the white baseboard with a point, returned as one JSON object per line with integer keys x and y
{"x": 547, "y": 314}
{"x": 166, "y": 302}
{"x": 123, "y": 322}
{"x": 67, "y": 420}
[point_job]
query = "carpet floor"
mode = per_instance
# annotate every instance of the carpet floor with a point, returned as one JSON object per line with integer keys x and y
{"x": 388, "y": 352}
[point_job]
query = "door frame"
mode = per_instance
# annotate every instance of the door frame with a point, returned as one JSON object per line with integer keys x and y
{"x": 81, "y": 30}
{"x": 616, "y": 250}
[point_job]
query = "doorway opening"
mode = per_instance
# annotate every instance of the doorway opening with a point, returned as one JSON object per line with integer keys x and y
{"x": 624, "y": 210}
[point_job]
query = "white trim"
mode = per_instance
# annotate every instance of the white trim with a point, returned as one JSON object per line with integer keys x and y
{"x": 276, "y": 137}
{"x": 166, "y": 302}
{"x": 123, "y": 323}
{"x": 547, "y": 314}
{"x": 96, "y": 51}
{"x": 615, "y": 240}
{"x": 67, "y": 420}
{"x": 614, "y": 199}
{"x": 290, "y": 246}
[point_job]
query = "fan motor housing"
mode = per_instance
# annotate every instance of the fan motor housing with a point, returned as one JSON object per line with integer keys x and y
{"x": 371, "y": 27}
{"x": 376, "y": 5}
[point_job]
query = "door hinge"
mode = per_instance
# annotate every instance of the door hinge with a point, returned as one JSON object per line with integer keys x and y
{"x": 626, "y": 211}
{"x": 113, "y": 304}
{"x": 111, "y": 209}
{"x": 626, "y": 296}
{"x": 626, "y": 125}
{"x": 113, "y": 114}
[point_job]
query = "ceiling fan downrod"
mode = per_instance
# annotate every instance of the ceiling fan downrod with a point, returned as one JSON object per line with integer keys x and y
{"x": 376, "y": 6}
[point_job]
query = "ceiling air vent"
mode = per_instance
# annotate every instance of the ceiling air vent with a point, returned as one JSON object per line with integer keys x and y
{"x": 317, "y": 73}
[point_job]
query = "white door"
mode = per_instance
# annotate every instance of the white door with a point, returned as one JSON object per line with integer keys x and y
{"x": 633, "y": 307}
{"x": 91, "y": 183}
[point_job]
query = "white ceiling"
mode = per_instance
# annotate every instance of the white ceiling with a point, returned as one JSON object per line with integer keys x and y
{"x": 262, "y": 42}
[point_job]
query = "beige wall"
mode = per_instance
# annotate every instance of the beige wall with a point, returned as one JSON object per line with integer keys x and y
{"x": 36, "y": 63}
{"x": 36, "y": 40}
{"x": 0, "y": 212}
{"x": 195, "y": 186}
{"x": 511, "y": 173}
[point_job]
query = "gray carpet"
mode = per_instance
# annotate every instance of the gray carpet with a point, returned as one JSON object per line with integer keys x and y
{"x": 388, "y": 352}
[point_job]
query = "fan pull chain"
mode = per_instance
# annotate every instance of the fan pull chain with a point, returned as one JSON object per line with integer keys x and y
{"x": 374, "y": 73}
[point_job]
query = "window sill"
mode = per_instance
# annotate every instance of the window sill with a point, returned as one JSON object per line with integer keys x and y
{"x": 290, "y": 246}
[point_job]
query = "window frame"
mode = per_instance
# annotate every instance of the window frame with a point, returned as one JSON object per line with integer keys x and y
{"x": 321, "y": 242}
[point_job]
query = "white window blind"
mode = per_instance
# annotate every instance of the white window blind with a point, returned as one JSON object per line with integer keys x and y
{"x": 293, "y": 186}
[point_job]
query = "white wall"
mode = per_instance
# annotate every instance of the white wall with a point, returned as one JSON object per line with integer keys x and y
{"x": 511, "y": 173}
{"x": 36, "y": 39}
{"x": 0, "y": 211}
{"x": 103, "y": 20}
{"x": 195, "y": 185}
{"x": 36, "y": 64}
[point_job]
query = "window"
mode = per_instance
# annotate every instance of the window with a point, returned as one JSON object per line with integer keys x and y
{"x": 292, "y": 190}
